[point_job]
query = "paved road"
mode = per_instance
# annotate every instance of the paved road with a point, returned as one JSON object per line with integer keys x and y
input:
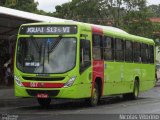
{"x": 28, "y": 109}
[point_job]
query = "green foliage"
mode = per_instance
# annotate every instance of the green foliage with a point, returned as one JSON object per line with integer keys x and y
{"x": 137, "y": 22}
{"x": 154, "y": 10}
{"x": 81, "y": 10}
{"x": 2, "y": 2}
{"x": 130, "y": 15}
{"x": 24, "y": 5}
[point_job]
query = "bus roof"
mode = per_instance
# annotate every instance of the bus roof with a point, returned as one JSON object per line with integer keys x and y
{"x": 115, "y": 32}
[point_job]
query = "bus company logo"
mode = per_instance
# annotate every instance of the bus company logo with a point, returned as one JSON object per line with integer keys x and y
{"x": 9, "y": 117}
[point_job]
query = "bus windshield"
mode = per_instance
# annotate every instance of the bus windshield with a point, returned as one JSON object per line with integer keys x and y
{"x": 46, "y": 55}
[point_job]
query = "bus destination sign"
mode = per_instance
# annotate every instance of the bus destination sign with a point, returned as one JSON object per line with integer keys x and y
{"x": 41, "y": 30}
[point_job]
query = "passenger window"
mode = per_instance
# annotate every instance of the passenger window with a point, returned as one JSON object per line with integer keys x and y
{"x": 129, "y": 51}
{"x": 97, "y": 47}
{"x": 119, "y": 49}
{"x": 144, "y": 53}
{"x": 151, "y": 54}
{"x": 137, "y": 52}
{"x": 108, "y": 44}
{"x": 96, "y": 41}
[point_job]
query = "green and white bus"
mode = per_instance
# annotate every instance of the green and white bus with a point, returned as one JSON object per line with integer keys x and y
{"x": 72, "y": 60}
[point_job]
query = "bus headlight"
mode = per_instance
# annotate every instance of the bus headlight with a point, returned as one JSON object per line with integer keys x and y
{"x": 18, "y": 82}
{"x": 70, "y": 82}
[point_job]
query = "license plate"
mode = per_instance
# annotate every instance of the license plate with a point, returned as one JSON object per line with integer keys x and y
{"x": 42, "y": 95}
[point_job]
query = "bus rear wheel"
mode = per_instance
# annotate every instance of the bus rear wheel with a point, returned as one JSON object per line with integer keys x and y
{"x": 44, "y": 102}
{"x": 93, "y": 100}
{"x": 134, "y": 94}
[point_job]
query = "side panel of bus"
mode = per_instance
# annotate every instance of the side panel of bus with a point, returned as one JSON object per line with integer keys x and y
{"x": 120, "y": 74}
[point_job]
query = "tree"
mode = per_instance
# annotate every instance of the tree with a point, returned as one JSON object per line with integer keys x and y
{"x": 11, "y": 3}
{"x": 130, "y": 15}
{"x": 2, "y": 2}
{"x": 24, "y": 5}
{"x": 113, "y": 10}
{"x": 154, "y": 10}
{"x": 81, "y": 10}
{"x": 136, "y": 21}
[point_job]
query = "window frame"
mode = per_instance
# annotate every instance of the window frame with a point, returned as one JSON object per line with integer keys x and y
{"x": 126, "y": 50}
{"x": 151, "y": 56}
{"x": 100, "y": 47}
{"x": 137, "y": 59}
{"x": 83, "y": 68}
{"x": 119, "y": 50}
{"x": 144, "y": 53}
{"x": 112, "y": 48}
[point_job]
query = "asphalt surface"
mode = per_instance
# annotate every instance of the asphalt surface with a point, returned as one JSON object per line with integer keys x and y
{"x": 14, "y": 108}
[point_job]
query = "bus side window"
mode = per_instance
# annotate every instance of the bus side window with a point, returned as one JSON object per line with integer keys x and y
{"x": 108, "y": 44}
{"x": 119, "y": 50}
{"x": 129, "y": 51}
{"x": 97, "y": 47}
{"x": 85, "y": 54}
{"x": 144, "y": 53}
{"x": 137, "y": 52}
{"x": 151, "y": 54}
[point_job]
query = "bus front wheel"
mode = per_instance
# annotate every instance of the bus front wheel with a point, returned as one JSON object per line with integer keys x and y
{"x": 44, "y": 102}
{"x": 93, "y": 100}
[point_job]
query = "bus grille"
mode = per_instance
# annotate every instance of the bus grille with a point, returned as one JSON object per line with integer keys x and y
{"x": 43, "y": 79}
{"x": 48, "y": 92}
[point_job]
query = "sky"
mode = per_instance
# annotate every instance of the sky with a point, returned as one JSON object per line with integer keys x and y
{"x": 49, "y": 5}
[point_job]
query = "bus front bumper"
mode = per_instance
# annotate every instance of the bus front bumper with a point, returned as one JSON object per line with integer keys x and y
{"x": 73, "y": 92}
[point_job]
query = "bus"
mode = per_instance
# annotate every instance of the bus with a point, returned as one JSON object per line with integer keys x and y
{"x": 73, "y": 60}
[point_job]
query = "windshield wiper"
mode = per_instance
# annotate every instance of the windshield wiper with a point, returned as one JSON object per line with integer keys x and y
{"x": 53, "y": 46}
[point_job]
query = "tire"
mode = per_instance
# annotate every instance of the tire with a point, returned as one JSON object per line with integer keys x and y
{"x": 134, "y": 94}
{"x": 44, "y": 102}
{"x": 94, "y": 99}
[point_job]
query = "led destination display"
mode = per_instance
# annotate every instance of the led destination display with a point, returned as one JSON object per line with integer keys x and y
{"x": 48, "y": 30}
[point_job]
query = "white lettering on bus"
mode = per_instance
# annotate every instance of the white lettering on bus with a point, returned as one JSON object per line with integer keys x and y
{"x": 58, "y": 30}
{"x": 35, "y": 30}
{"x": 66, "y": 29}
{"x": 48, "y": 29}
{"x": 51, "y": 29}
